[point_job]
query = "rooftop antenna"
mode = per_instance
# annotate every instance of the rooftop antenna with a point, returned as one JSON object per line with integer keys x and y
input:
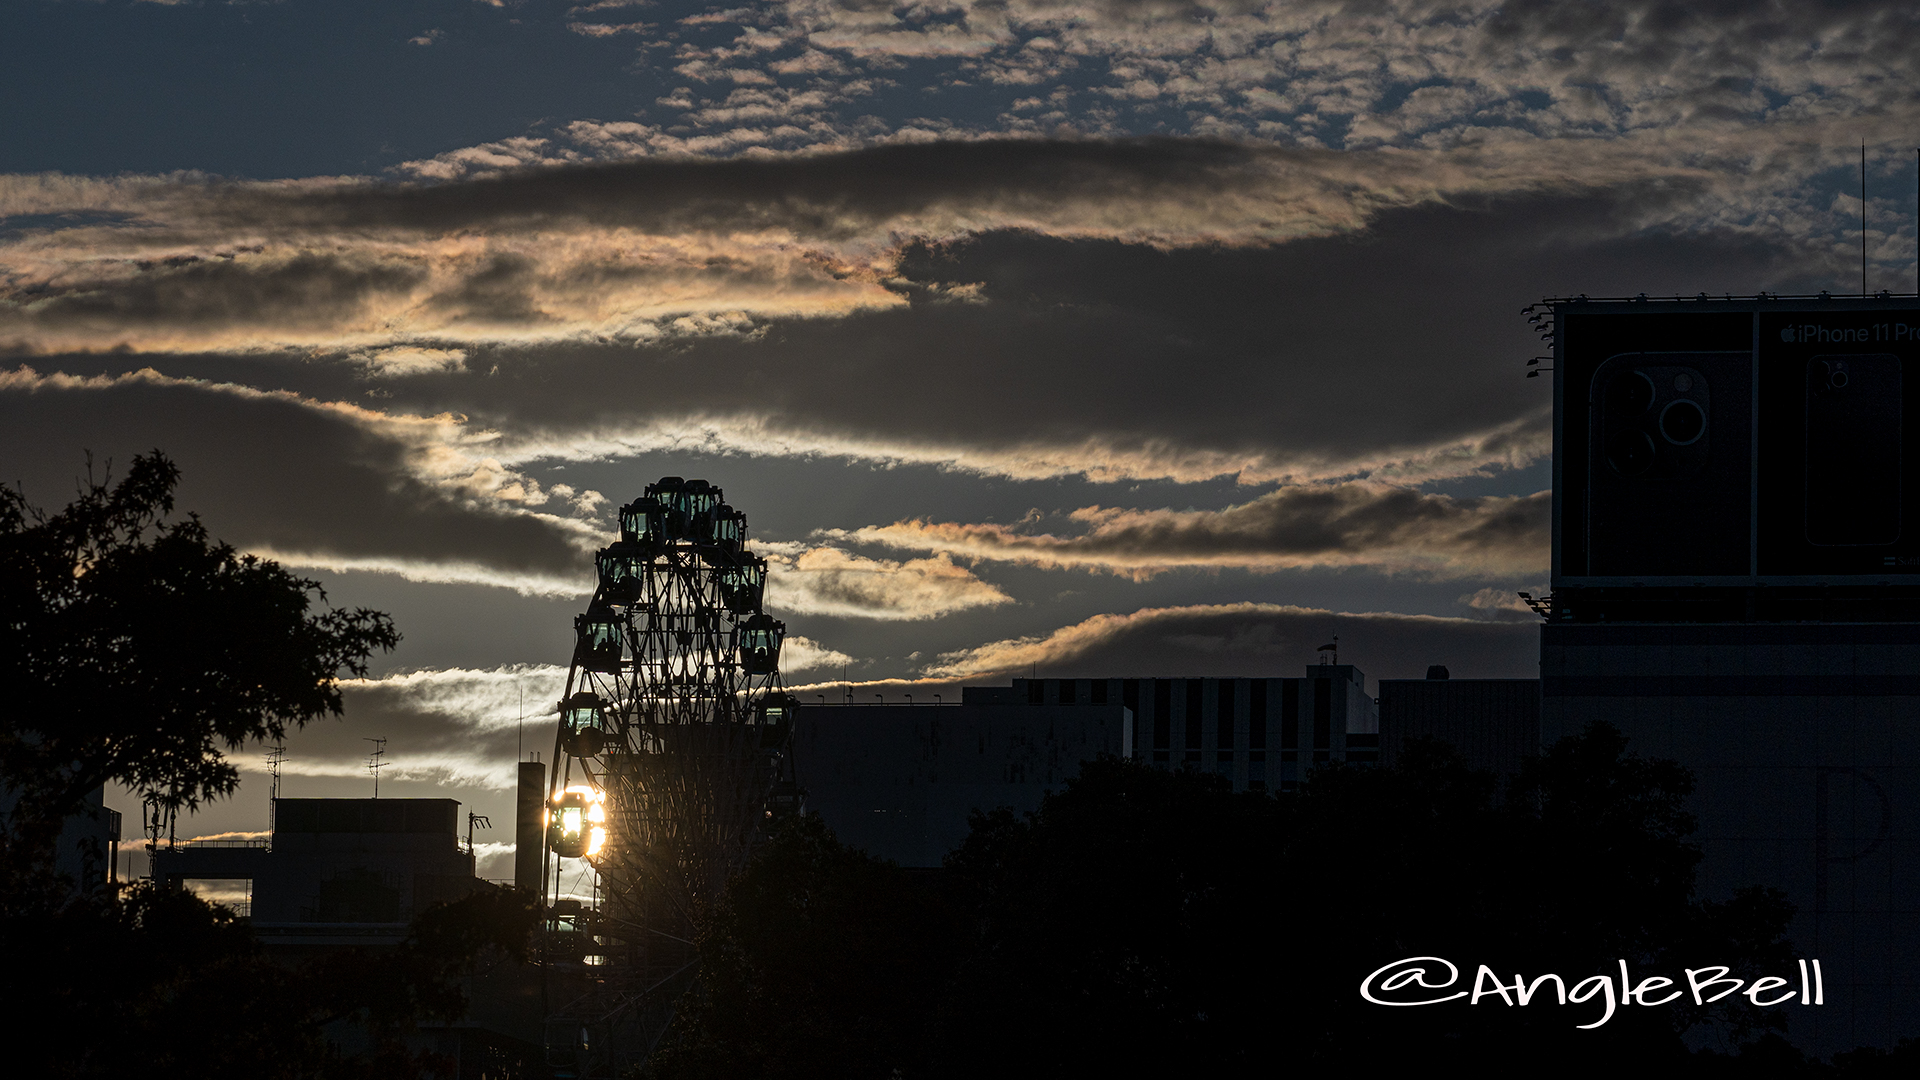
{"x": 274, "y": 757}
{"x": 473, "y": 819}
{"x": 523, "y": 723}
{"x": 374, "y": 764}
{"x": 1863, "y": 219}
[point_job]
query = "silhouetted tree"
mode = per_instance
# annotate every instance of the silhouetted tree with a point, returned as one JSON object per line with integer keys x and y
{"x": 135, "y": 649}
{"x": 1154, "y": 922}
{"x": 161, "y": 983}
{"x": 819, "y": 961}
{"x": 1582, "y": 862}
{"x": 1123, "y": 929}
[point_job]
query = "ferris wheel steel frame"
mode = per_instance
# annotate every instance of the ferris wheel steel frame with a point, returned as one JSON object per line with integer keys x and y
{"x": 670, "y": 756}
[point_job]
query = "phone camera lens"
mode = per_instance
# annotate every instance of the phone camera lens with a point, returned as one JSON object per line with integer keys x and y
{"x": 1682, "y": 422}
{"x": 1630, "y": 453}
{"x": 1630, "y": 393}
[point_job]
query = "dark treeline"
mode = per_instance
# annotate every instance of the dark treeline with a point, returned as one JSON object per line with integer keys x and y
{"x": 1148, "y": 922}
{"x": 151, "y": 982}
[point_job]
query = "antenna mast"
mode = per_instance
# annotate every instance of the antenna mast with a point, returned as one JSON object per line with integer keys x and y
{"x": 274, "y": 757}
{"x": 374, "y": 762}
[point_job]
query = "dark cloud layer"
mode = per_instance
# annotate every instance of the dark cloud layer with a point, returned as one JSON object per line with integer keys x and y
{"x": 1319, "y": 354}
{"x": 268, "y": 472}
{"x": 308, "y": 291}
{"x": 1395, "y": 350}
{"x": 824, "y": 196}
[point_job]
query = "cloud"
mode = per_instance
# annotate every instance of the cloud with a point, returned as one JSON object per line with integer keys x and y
{"x": 1251, "y": 640}
{"x": 455, "y": 726}
{"x": 462, "y": 726}
{"x": 830, "y": 581}
{"x": 1325, "y": 315}
{"x": 799, "y": 654}
{"x": 1353, "y": 524}
{"x": 220, "y": 836}
{"x": 1400, "y": 72}
{"x": 403, "y": 360}
{"x": 1505, "y": 604}
{"x": 313, "y": 483}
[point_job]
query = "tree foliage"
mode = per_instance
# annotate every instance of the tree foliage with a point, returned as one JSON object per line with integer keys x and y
{"x": 135, "y": 649}
{"x": 1146, "y": 921}
{"x": 160, "y": 983}
{"x": 819, "y": 946}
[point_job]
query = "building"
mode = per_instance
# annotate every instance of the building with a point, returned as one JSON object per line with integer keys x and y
{"x": 1736, "y": 586}
{"x": 1804, "y": 744}
{"x": 1258, "y": 733}
{"x": 1493, "y": 723}
{"x": 336, "y": 871}
{"x": 87, "y": 851}
{"x": 900, "y": 781}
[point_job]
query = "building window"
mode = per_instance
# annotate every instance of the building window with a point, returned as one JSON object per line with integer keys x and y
{"x": 1290, "y": 714}
{"x": 1257, "y": 714}
{"x": 1036, "y": 692}
{"x": 1223, "y": 715}
{"x": 1196, "y": 691}
{"x": 1067, "y": 687}
{"x": 1162, "y": 715}
{"x": 1322, "y": 713}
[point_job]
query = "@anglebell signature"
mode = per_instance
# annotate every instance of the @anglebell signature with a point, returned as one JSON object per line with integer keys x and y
{"x": 1420, "y": 980}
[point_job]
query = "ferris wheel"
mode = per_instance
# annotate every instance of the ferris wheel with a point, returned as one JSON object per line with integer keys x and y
{"x": 671, "y": 752}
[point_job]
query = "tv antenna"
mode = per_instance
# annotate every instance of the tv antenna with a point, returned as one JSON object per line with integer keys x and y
{"x": 472, "y": 820}
{"x": 275, "y": 757}
{"x": 375, "y": 762}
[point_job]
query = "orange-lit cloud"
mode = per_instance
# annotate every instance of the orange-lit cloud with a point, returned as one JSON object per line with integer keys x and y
{"x": 1353, "y": 524}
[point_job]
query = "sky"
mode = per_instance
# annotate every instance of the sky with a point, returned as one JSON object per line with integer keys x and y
{"x": 1056, "y": 337}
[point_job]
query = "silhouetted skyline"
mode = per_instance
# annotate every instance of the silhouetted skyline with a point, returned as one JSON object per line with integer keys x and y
{"x": 1062, "y": 340}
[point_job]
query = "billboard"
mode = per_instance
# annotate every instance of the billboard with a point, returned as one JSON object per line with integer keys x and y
{"x": 1762, "y": 442}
